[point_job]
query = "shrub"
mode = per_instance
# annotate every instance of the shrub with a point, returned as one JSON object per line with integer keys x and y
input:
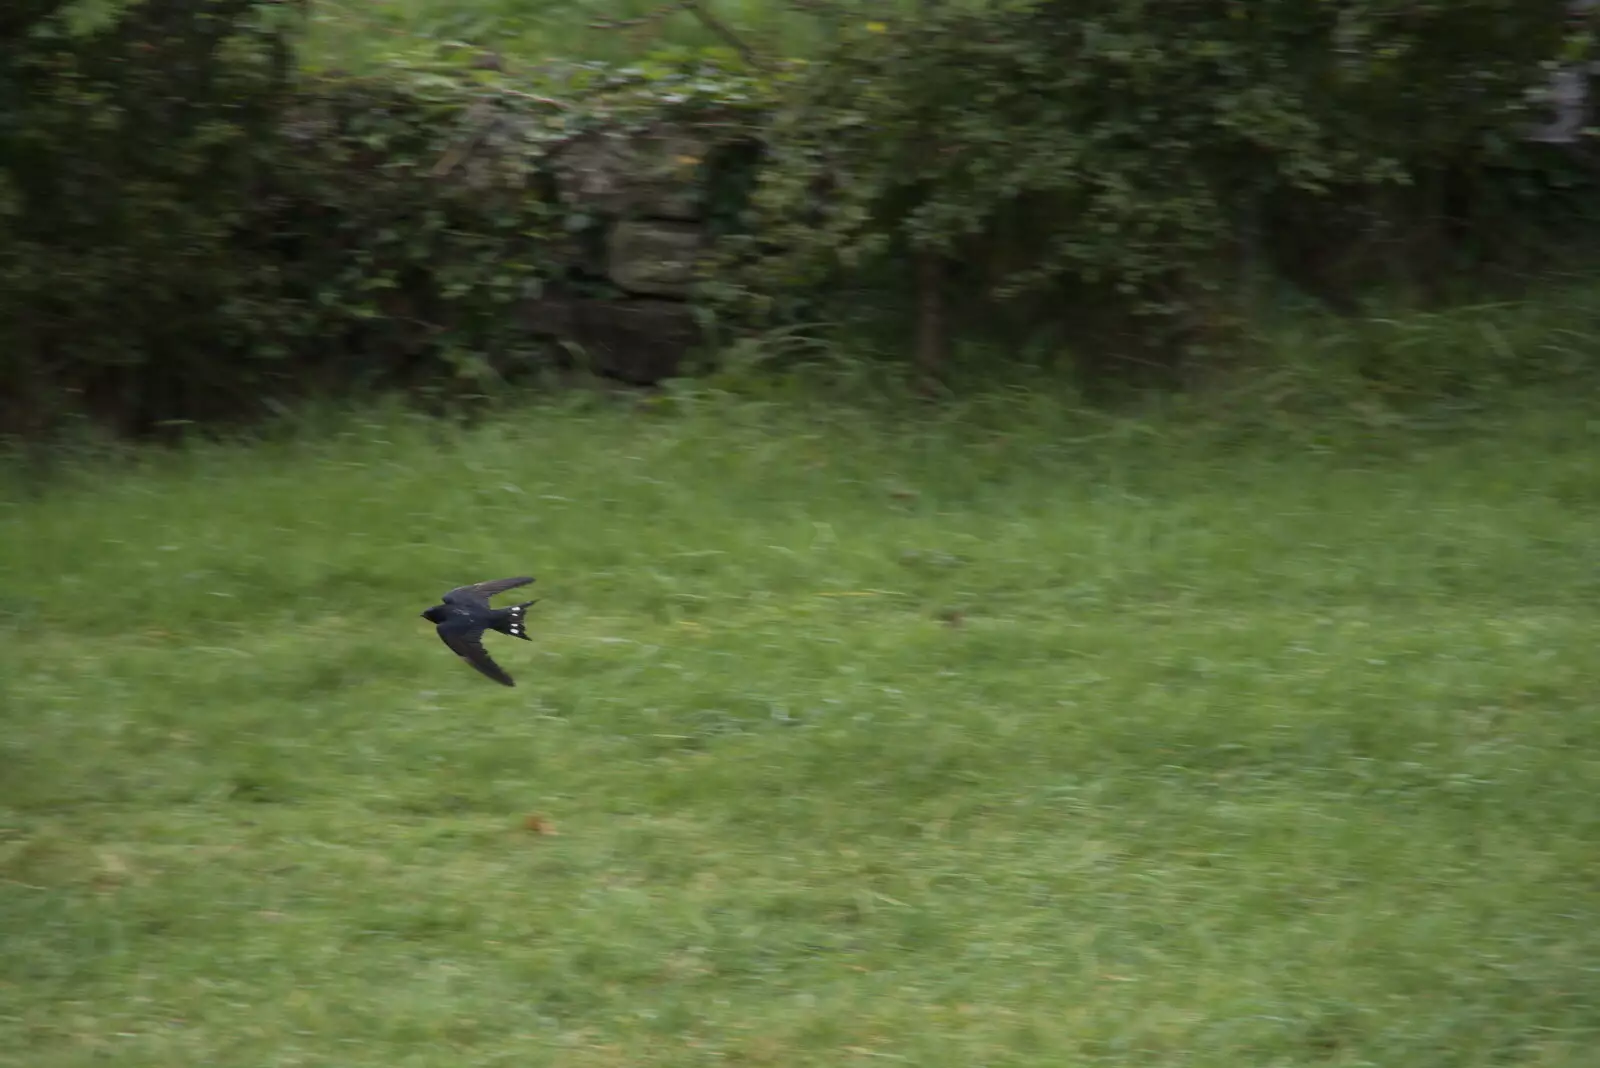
{"x": 1128, "y": 156}
{"x": 189, "y": 229}
{"x": 132, "y": 139}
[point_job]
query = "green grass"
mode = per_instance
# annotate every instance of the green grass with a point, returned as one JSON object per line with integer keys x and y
{"x": 1237, "y": 754}
{"x": 357, "y": 34}
{"x": 535, "y": 35}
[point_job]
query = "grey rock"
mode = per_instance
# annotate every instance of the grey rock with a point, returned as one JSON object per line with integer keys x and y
{"x": 637, "y": 341}
{"x": 651, "y": 175}
{"x": 654, "y": 258}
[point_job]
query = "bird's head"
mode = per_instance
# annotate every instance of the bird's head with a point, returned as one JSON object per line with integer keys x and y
{"x": 434, "y": 614}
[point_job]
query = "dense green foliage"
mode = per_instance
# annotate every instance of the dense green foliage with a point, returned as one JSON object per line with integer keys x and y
{"x": 1139, "y": 156}
{"x": 131, "y": 143}
{"x": 190, "y": 227}
{"x": 415, "y": 210}
{"x": 396, "y": 249}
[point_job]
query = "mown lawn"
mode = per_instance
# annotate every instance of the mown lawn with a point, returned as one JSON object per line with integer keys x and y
{"x": 998, "y": 736}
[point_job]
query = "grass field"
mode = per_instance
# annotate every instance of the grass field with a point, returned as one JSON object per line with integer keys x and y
{"x": 355, "y": 34}
{"x": 990, "y": 736}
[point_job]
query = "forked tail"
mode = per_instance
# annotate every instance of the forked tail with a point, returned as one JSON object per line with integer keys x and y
{"x": 512, "y": 624}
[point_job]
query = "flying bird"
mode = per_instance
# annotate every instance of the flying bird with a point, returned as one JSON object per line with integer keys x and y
{"x": 466, "y": 614}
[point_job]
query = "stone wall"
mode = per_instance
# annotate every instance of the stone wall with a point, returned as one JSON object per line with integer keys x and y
{"x": 641, "y": 199}
{"x": 1566, "y": 95}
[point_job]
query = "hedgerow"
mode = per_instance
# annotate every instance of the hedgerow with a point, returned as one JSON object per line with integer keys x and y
{"x": 190, "y": 226}
{"x": 1126, "y": 162}
{"x": 191, "y": 229}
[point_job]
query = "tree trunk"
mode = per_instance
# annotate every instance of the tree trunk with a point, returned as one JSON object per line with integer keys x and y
{"x": 931, "y": 343}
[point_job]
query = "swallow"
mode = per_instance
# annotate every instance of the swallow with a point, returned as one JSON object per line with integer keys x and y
{"x": 466, "y": 614}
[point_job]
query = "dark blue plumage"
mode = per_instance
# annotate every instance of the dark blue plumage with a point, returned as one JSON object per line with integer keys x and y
{"x": 466, "y": 614}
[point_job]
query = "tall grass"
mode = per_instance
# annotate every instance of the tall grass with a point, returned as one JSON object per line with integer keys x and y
{"x": 994, "y": 734}
{"x": 351, "y": 34}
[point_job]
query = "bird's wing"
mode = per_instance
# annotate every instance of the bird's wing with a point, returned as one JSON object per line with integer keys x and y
{"x": 480, "y": 592}
{"x": 468, "y": 645}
